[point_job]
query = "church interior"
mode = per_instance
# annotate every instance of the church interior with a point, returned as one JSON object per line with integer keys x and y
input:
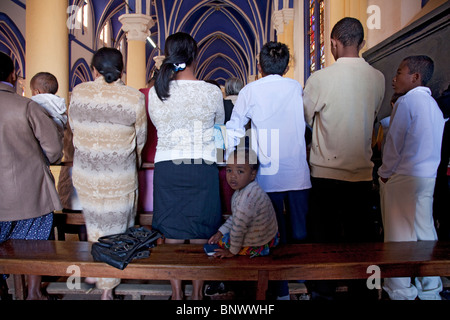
{"x": 61, "y": 36}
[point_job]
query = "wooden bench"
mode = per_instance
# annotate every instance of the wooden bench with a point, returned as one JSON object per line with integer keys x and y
{"x": 189, "y": 262}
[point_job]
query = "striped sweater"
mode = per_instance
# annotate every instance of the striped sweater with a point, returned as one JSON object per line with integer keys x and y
{"x": 253, "y": 222}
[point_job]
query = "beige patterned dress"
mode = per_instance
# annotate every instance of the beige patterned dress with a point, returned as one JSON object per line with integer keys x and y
{"x": 109, "y": 125}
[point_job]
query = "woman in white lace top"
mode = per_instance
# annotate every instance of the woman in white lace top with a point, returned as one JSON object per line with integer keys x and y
{"x": 186, "y": 180}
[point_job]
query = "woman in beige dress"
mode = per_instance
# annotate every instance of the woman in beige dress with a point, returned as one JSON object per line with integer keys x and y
{"x": 109, "y": 125}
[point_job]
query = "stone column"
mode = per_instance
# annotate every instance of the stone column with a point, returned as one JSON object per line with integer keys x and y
{"x": 137, "y": 27}
{"x": 158, "y": 61}
{"x": 283, "y": 21}
{"x": 47, "y": 42}
{"x": 336, "y": 10}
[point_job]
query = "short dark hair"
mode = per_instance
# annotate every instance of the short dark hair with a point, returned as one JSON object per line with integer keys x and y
{"x": 45, "y": 81}
{"x": 6, "y": 66}
{"x": 274, "y": 58}
{"x": 109, "y": 63}
{"x": 422, "y": 65}
{"x": 349, "y": 32}
{"x": 250, "y": 157}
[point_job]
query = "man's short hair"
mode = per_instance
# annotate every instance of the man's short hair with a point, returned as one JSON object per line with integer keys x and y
{"x": 45, "y": 82}
{"x": 422, "y": 65}
{"x": 349, "y": 32}
{"x": 274, "y": 58}
{"x": 6, "y": 66}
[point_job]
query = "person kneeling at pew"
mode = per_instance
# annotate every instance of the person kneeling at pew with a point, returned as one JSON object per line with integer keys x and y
{"x": 252, "y": 229}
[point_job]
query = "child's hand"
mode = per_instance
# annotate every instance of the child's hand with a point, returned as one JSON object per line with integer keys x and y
{"x": 215, "y": 238}
{"x": 223, "y": 253}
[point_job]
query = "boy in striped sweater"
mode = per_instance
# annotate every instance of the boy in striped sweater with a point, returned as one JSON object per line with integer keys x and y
{"x": 252, "y": 229}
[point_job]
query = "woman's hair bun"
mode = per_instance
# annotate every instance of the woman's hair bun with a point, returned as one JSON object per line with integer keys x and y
{"x": 109, "y": 63}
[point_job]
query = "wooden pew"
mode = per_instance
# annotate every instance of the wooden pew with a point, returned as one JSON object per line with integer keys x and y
{"x": 189, "y": 262}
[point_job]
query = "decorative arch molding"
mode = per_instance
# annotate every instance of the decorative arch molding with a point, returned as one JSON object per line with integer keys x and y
{"x": 233, "y": 45}
{"x": 248, "y": 45}
{"x": 250, "y": 22}
{"x": 204, "y": 70}
{"x": 236, "y": 29}
{"x": 220, "y": 75}
{"x": 107, "y": 16}
{"x": 81, "y": 72}
{"x": 12, "y": 43}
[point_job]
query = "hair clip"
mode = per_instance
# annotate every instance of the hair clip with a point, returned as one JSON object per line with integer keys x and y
{"x": 179, "y": 66}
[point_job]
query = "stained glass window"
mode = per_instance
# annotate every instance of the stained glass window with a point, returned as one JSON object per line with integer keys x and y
{"x": 315, "y": 39}
{"x": 322, "y": 33}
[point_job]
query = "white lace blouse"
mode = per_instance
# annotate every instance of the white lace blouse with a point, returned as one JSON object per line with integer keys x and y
{"x": 185, "y": 121}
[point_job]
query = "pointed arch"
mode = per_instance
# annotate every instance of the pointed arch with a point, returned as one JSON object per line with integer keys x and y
{"x": 12, "y": 43}
{"x": 80, "y": 72}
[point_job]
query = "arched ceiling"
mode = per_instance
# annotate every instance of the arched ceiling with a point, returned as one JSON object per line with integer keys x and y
{"x": 229, "y": 33}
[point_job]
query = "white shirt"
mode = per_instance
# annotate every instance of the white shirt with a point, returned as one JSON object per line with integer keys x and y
{"x": 55, "y": 106}
{"x": 275, "y": 107}
{"x": 185, "y": 121}
{"x": 413, "y": 142}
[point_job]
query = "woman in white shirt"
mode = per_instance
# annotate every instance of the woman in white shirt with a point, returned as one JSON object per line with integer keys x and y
{"x": 186, "y": 180}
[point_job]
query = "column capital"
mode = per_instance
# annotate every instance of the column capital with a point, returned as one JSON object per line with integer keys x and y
{"x": 158, "y": 61}
{"x": 137, "y": 26}
{"x": 282, "y": 17}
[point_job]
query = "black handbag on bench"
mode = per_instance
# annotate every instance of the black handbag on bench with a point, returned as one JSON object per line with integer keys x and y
{"x": 118, "y": 250}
